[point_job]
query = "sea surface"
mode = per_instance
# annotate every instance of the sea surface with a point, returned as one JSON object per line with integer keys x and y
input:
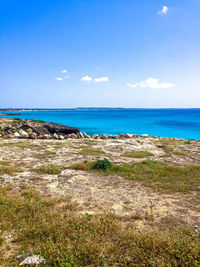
{"x": 180, "y": 123}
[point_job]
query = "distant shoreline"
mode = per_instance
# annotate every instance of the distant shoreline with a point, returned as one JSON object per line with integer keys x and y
{"x": 90, "y": 108}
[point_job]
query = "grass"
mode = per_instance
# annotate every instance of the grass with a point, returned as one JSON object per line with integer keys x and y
{"x": 88, "y": 150}
{"x": 178, "y": 153}
{"x": 45, "y": 154}
{"x": 54, "y": 229}
{"x": 138, "y": 154}
{"x": 49, "y": 169}
{"x": 156, "y": 175}
{"x": 10, "y": 170}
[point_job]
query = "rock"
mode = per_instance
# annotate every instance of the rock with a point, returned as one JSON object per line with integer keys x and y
{"x": 61, "y": 137}
{"x": 86, "y": 135}
{"x": 32, "y": 135}
{"x": 73, "y": 135}
{"x": 144, "y": 135}
{"x": 121, "y": 135}
{"x": 95, "y": 136}
{"x": 16, "y": 134}
{"x": 24, "y": 255}
{"x": 23, "y": 134}
{"x": 80, "y": 135}
{"x": 104, "y": 136}
{"x": 128, "y": 135}
{"x": 59, "y": 128}
{"x": 55, "y": 136}
{"x": 32, "y": 260}
{"x": 134, "y": 135}
{"x": 29, "y": 130}
{"x": 10, "y": 136}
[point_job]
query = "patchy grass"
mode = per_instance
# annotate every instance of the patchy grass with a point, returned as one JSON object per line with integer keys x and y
{"x": 88, "y": 150}
{"x": 45, "y": 154}
{"x": 23, "y": 145}
{"x": 178, "y": 153}
{"x": 10, "y": 170}
{"x": 54, "y": 229}
{"x": 49, "y": 169}
{"x": 138, "y": 154}
{"x": 156, "y": 175}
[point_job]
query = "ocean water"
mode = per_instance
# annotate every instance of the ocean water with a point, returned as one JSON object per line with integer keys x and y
{"x": 180, "y": 123}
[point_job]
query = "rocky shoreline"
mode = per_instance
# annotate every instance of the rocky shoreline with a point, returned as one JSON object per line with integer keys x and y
{"x": 30, "y": 129}
{"x": 33, "y": 129}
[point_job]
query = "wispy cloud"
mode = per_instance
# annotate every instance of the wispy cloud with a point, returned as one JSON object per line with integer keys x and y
{"x": 163, "y": 11}
{"x": 151, "y": 83}
{"x": 67, "y": 77}
{"x": 101, "y": 79}
{"x": 86, "y": 78}
{"x": 59, "y": 79}
{"x": 64, "y": 71}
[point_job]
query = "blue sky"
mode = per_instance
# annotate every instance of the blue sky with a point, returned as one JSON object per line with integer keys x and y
{"x": 115, "y": 53}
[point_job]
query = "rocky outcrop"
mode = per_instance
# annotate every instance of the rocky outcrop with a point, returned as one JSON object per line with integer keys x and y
{"x": 32, "y": 129}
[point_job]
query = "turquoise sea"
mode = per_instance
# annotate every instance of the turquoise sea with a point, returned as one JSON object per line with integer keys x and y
{"x": 181, "y": 123}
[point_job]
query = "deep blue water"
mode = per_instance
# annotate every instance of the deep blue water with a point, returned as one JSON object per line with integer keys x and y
{"x": 181, "y": 123}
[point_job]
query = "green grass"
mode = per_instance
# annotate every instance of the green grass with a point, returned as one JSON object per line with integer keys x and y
{"x": 49, "y": 169}
{"x": 156, "y": 175}
{"x": 88, "y": 150}
{"x": 138, "y": 154}
{"x": 54, "y": 229}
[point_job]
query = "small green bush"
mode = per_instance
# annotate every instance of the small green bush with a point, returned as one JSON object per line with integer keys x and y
{"x": 103, "y": 164}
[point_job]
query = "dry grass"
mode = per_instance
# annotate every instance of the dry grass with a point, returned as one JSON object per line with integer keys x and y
{"x": 138, "y": 154}
{"x": 89, "y": 150}
{"x": 49, "y": 169}
{"x": 45, "y": 155}
{"x": 156, "y": 175}
{"x": 54, "y": 229}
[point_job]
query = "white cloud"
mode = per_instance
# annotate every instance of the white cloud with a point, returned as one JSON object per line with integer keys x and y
{"x": 67, "y": 77}
{"x": 151, "y": 83}
{"x": 59, "y": 79}
{"x": 101, "y": 79}
{"x": 163, "y": 11}
{"x": 86, "y": 78}
{"x": 64, "y": 71}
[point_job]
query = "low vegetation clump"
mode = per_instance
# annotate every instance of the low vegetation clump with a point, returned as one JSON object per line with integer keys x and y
{"x": 156, "y": 175}
{"x": 88, "y": 150}
{"x": 55, "y": 230}
{"x": 138, "y": 154}
{"x": 49, "y": 169}
{"x": 103, "y": 164}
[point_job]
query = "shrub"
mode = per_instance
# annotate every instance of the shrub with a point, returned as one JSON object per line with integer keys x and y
{"x": 103, "y": 164}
